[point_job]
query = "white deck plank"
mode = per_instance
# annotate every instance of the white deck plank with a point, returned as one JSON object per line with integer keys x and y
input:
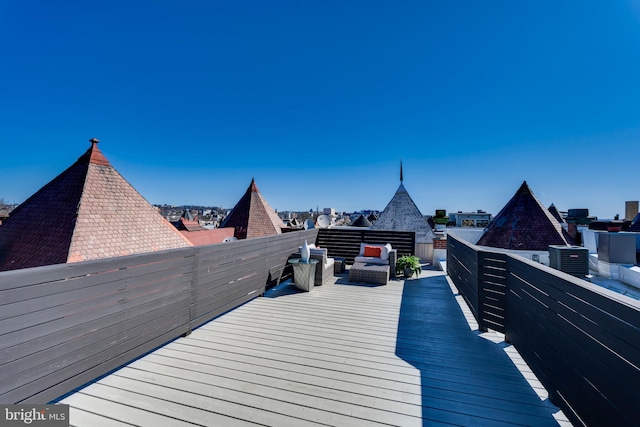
{"x": 279, "y": 400}
{"x": 169, "y": 407}
{"x": 303, "y": 384}
{"x": 81, "y": 418}
{"x": 339, "y": 355}
{"x": 121, "y": 411}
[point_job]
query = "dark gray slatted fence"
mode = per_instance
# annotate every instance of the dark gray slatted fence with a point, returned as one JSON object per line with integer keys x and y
{"x": 492, "y": 284}
{"x": 462, "y": 267}
{"x": 345, "y": 243}
{"x": 582, "y": 341}
{"x": 62, "y": 326}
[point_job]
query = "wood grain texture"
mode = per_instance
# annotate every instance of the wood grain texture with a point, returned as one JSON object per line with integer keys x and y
{"x": 64, "y": 325}
{"x": 342, "y": 355}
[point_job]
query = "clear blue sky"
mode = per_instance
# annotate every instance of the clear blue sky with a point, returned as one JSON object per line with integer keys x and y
{"x": 319, "y": 101}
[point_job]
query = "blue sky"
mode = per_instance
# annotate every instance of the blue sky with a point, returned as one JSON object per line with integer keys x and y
{"x": 319, "y": 101}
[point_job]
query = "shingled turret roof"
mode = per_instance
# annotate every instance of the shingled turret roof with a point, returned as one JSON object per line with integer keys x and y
{"x": 556, "y": 214}
{"x": 402, "y": 214}
{"x": 87, "y": 212}
{"x": 252, "y": 216}
{"x": 362, "y": 221}
{"x": 524, "y": 224}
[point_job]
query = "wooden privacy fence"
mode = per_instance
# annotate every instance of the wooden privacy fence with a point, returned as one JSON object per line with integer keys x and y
{"x": 582, "y": 341}
{"x": 345, "y": 243}
{"x": 481, "y": 278}
{"x": 64, "y": 325}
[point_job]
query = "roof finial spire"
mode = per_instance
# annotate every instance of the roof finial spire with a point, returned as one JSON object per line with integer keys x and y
{"x": 401, "y": 178}
{"x": 94, "y": 140}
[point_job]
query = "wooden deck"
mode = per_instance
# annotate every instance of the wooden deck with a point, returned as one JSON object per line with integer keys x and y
{"x": 341, "y": 355}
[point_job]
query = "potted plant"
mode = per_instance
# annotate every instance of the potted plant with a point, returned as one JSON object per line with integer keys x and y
{"x": 409, "y": 265}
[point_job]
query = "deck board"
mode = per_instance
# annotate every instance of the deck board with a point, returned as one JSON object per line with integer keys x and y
{"x": 343, "y": 354}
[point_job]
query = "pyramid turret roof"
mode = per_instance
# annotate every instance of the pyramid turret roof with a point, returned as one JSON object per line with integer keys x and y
{"x": 402, "y": 214}
{"x": 252, "y": 216}
{"x": 556, "y": 214}
{"x": 361, "y": 221}
{"x": 87, "y": 212}
{"x": 524, "y": 224}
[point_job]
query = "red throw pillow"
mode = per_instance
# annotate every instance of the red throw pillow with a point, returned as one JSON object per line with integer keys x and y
{"x": 373, "y": 251}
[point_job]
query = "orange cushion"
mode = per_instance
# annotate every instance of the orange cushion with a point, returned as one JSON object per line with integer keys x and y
{"x": 373, "y": 251}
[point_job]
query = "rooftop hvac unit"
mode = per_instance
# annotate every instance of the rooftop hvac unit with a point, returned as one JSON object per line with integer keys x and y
{"x": 573, "y": 260}
{"x": 617, "y": 248}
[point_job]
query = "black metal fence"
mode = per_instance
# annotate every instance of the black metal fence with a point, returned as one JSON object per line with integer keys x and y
{"x": 582, "y": 341}
{"x": 62, "y": 326}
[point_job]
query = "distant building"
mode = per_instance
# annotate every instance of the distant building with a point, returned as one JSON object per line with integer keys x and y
{"x": 329, "y": 211}
{"x": 479, "y": 219}
{"x": 631, "y": 210}
{"x": 524, "y": 224}
{"x": 87, "y": 212}
{"x": 252, "y": 216}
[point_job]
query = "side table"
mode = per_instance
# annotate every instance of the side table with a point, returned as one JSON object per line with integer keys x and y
{"x": 304, "y": 273}
{"x": 339, "y": 265}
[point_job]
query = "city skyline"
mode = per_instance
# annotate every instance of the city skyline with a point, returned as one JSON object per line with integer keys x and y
{"x": 320, "y": 103}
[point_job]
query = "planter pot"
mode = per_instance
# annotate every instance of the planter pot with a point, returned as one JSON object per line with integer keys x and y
{"x": 408, "y": 272}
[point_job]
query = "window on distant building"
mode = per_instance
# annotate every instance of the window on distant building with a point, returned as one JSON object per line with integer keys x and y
{"x": 482, "y": 223}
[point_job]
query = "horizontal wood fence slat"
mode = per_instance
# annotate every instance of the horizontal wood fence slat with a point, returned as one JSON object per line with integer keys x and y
{"x": 582, "y": 341}
{"x": 462, "y": 267}
{"x": 64, "y": 325}
{"x": 345, "y": 243}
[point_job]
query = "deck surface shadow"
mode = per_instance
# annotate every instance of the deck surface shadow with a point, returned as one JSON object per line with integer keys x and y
{"x": 465, "y": 379}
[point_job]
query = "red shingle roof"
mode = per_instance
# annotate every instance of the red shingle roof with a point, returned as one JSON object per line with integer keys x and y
{"x": 252, "y": 216}
{"x": 87, "y": 212}
{"x": 208, "y": 236}
{"x": 524, "y": 224}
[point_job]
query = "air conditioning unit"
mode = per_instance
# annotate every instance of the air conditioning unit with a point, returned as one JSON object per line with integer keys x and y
{"x": 617, "y": 248}
{"x": 573, "y": 260}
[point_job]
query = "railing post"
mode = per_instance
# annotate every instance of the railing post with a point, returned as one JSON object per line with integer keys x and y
{"x": 194, "y": 283}
{"x": 480, "y": 262}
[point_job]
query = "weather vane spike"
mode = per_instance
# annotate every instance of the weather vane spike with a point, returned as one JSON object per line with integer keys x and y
{"x": 401, "y": 178}
{"x": 94, "y": 140}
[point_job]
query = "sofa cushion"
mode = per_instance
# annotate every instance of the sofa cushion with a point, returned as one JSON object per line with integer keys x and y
{"x": 322, "y": 252}
{"x": 371, "y": 260}
{"x": 362, "y": 246}
{"x": 385, "y": 251}
{"x": 372, "y": 251}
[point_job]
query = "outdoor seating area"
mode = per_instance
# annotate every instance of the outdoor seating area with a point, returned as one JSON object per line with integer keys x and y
{"x": 375, "y": 263}
{"x": 324, "y": 267}
{"x": 369, "y": 273}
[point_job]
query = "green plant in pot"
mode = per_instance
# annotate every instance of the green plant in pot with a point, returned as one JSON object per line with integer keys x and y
{"x": 409, "y": 265}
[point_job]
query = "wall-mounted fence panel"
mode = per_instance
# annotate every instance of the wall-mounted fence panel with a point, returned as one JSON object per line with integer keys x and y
{"x": 52, "y": 337}
{"x": 492, "y": 284}
{"x": 582, "y": 341}
{"x": 64, "y": 325}
{"x": 345, "y": 243}
{"x": 462, "y": 267}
